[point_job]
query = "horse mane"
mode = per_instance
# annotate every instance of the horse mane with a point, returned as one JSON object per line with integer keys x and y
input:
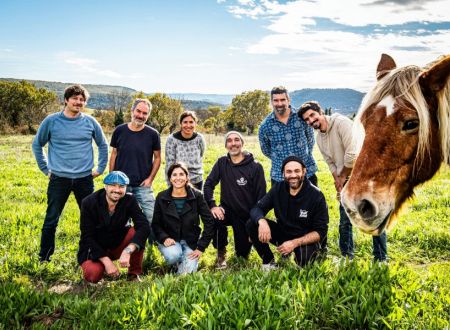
{"x": 443, "y": 97}
{"x": 403, "y": 83}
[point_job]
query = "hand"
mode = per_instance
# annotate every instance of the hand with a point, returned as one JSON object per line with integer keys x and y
{"x": 146, "y": 183}
{"x": 195, "y": 254}
{"x": 49, "y": 175}
{"x": 124, "y": 260}
{"x": 264, "y": 234}
{"x": 168, "y": 242}
{"x": 286, "y": 248}
{"x": 110, "y": 268}
{"x": 95, "y": 174}
{"x": 218, "y": 212}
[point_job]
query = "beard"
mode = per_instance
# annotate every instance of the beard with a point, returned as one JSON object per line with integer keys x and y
{"x": 295, "y": 183}
{"x": 281, "y": 110}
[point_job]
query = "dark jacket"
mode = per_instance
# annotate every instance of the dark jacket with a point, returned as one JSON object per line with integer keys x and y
{"x": 241, "y": 185}
{"x": 311, "y": 208}
{"x": 167, "y": 223}
{"x": 101, "y": 232}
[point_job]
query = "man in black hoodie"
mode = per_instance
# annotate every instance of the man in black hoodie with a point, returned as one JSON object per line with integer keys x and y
{"x": 302, "y": 217}
{"x": 242, "y": 184}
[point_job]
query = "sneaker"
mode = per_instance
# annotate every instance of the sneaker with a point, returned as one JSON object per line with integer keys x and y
{"x": 269, "y": 267}
{"x": 221, "y": 262}
{"x": 133, "y": 278}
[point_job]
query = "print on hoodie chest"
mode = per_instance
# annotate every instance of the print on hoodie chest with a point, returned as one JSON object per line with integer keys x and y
{"x": 241, "y": 181}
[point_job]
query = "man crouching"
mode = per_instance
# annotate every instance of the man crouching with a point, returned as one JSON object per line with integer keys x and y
{"x": 302, "y": 218}
{"x": 106, "y": 232}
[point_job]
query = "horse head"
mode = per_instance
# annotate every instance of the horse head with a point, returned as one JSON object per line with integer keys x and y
{"x": 405, "y": 123}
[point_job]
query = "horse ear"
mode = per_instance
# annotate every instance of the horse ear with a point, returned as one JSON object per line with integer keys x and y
{"x": 385, "y": 65}
{"x": 436, "y": 76}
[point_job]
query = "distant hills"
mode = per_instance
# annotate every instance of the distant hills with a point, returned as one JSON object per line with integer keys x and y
{"x": 342, "y": 100}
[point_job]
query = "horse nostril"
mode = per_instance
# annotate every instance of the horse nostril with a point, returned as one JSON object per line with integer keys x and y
{"x": 366, "y": 209}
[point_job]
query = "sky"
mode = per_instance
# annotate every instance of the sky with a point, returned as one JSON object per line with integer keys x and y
{"x": 218, "y": 46}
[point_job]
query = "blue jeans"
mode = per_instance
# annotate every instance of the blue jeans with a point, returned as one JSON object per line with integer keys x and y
{"x": 177, "y": 254}
{"x": 146, "y": 200}
{"x": 58, "y": 192}
{"x": 346, "y": 239}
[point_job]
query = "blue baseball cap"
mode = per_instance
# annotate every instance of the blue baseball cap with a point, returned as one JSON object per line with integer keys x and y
{"x": 116, "y": 177}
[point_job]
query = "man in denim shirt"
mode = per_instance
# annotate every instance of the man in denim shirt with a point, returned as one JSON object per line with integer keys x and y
{"x": 282, "y": 133}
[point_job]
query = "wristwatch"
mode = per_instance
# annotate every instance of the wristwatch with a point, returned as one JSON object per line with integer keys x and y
{"x": 128, "y": 250}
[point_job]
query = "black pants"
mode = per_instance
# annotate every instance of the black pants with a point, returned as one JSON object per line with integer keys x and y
{"x": 242, "y": 244}
{"x": 303, "y": 254}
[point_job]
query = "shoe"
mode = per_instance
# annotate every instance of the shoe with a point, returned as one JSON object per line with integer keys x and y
{"x": 269, "y": 267}
{"x": 133, "y": 278}
{"x": 221, "y": 262}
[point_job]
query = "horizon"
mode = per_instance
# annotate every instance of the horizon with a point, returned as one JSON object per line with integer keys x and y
{"x": 218, "y": 47}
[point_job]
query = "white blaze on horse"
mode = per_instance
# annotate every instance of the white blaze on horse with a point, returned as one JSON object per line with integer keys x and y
{"x": 406, "y": 122}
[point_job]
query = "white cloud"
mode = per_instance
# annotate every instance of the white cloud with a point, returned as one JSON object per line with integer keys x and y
{"x": 86, "y": 65}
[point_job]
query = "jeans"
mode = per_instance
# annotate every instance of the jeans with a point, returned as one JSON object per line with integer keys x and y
{"x": 242, "y": 244}
{"x": 303, "y": 254}
{"x": 146, "y": 200}
{"x": 346, "y": 239}
{"x": 58, "y": 192}
{"x": 177, "y": 254}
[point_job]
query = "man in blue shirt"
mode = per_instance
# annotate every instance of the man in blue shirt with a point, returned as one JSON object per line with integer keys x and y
{"x": 70, "y": 162}
{"x": 282, "y": 133}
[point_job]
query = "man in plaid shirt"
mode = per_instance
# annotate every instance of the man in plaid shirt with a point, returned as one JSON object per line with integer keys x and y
{"x": 282, "y": 133}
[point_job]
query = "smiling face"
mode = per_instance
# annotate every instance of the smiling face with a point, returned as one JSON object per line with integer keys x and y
{"x": 294, "y": 174}
{"x": 188, "y": 125}
{"x": 74, "y": 105}
{"x": 114, "y": 192}
{"x": 234, "y": 145}
{"x": 179, "y": 178}
{"x": 140, "y": 114}
{"x": 280, "y": 103}
{"x": 314, "y": 119}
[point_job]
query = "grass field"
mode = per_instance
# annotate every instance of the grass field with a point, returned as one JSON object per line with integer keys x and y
{"x": 412, "y": 292}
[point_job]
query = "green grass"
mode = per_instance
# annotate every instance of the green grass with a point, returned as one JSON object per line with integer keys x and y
{"x": 413, "y": 291}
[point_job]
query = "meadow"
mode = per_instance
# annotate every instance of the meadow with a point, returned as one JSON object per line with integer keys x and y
{"x": 412, "y": 291}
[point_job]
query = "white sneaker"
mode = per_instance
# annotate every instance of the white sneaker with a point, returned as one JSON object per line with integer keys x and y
{"x": 269, "y": 267}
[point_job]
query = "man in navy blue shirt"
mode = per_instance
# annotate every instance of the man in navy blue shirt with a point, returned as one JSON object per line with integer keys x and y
{"x": 302, "y": 217}
{"x": 70, "y": 162}
{"x": 136, "y": 151}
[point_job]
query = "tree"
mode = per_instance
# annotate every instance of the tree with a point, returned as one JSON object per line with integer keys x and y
{"x": 119, "y": 100}
{"x": 249, "y": 109}
{"x": 165, "y": 112}
{"x": 216, "y": 119}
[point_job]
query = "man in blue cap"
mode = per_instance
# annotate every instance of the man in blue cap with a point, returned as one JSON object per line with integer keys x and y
{"x": 106, "y": 232}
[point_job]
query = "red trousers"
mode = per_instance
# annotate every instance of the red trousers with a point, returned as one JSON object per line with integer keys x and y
{"x": 93, "y": 271}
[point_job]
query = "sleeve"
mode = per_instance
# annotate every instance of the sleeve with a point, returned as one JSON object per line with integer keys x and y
{"x": 260, "y": 182}
{"x": 102, "y": 144}
{"x": 346, "y": 134}
{"x": 263, "y": 206}
{"x": 202, "y": 143}
{"x": 264, "y": 141}
{"x": 114, "y": 137}
{"x": 208, "y": 224}
{"x": 309, "y": 133}
{"x": 170, "y": 154}
{"x": 39, "y": 141}
{"x": 140, "y": 223}
{"x": 157, "y": 227}
{"x": 321, "y": 218}
{"x": 87, "y": 229}
{"x": 211, "y": 182}
{"x": 157, "y": 141}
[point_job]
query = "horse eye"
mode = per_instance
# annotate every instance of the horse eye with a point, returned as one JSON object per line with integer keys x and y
{"x": 410, "y": 125}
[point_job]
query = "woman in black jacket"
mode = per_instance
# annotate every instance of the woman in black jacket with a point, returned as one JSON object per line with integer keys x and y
{"x": 176, "y": 221}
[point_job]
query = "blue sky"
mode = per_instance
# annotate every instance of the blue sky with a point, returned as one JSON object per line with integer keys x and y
{"x": 218, "y": 46}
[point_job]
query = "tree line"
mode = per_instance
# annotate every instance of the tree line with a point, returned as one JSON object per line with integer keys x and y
{"x": 23, "y": 107}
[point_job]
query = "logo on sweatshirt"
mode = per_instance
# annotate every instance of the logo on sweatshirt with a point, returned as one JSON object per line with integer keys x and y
{"x": 241, "y": 181}
{"x": 303, "y": 214}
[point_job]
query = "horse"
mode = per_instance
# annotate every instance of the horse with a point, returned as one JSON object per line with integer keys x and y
{"x": 405, "y": 123}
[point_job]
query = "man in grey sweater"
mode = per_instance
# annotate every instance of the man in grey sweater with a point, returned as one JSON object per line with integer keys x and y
{"x": 70, "y": 162}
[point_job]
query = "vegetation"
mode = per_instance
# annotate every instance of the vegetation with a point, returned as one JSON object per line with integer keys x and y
{"x": 413, "y": 291}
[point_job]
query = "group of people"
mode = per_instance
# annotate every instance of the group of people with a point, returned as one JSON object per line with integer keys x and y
{"x": 116, "y": 221}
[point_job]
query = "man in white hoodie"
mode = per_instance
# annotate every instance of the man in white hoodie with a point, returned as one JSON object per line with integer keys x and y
{"x": 335, "y": 142}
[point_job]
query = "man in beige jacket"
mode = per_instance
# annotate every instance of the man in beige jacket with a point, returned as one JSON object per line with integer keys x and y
{"x": 335, "y": 142}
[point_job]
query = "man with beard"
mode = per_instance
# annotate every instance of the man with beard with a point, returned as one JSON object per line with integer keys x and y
{"x": 283, "y": 134}
{"x": 242, "y": 184}
{"x": 106, "y": 232}
{"x": 302, "y": 218}
{"x": 136, "y": 151}
{"x": 335, "y": 142}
